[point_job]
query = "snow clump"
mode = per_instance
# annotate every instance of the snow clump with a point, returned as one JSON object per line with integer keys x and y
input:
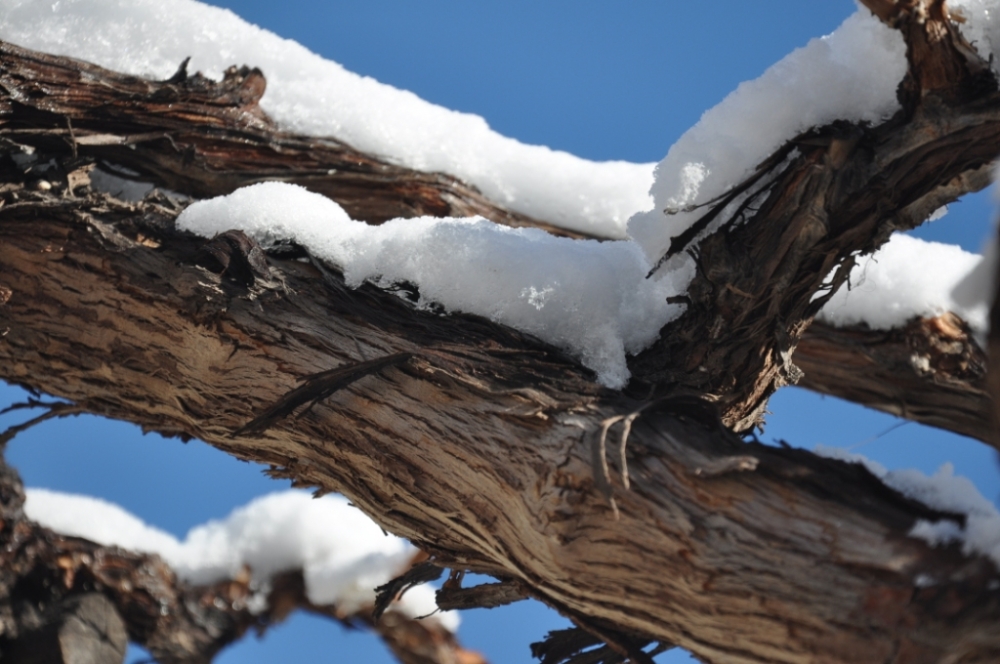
{"x": 590, "y": 298}
{"x": 342, "y": 553}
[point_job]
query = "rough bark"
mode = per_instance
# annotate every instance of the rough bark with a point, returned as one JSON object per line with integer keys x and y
{"x": 198, "y": 137}
{"x": 65, "y": 599}
{"x": 931, "y": 371}
{"x": 822, "y": 199}
{"x": 479, "y": 446}
{"x": 479, "y": 449}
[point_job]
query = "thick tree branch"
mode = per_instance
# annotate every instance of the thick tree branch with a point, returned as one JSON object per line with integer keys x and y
{"x": 479, "y": 446}
{"x": 932, "y": 371}
{"x": 478, "y": 449}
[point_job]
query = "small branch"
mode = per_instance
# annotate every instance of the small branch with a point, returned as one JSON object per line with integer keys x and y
{"x": 55, "y": 409}
{"x": 418, "y": 574}
{"x": 483, "y": 596}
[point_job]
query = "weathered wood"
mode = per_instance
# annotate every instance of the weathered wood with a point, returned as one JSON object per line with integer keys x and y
{"x": 479, "y": 447}
{"x": 194, "y": 136}
{"x": 824, "y": 197}
{"x": 931, "y": 371}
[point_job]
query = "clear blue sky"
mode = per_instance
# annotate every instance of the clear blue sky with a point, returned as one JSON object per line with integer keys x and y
{"x": 602, "y": 80}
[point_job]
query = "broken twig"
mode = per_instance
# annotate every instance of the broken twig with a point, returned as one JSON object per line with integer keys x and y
{"x": 418, "y": 574}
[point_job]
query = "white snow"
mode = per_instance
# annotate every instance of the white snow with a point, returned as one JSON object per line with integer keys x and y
{"x": 909, "y": 277}
{"x": 981, "y": 25}
{"x": 588, "y": 297}
{"x": 308, "y": 94}
{"x": 942, "y": 491}
{"x": 851, "y": 74}
{"x": 99, "y": 521}
{"x": 342, "y": 553}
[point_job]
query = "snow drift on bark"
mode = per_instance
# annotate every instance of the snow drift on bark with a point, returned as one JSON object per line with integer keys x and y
{"x": 587, "y": 297}
{"x": 909, "y": 277}
{"x": 944, "y": 491}
{"x": 311, "y": 95}
{"x": 850, "y": 74}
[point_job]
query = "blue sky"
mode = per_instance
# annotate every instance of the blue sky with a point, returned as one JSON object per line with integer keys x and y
{"x": 601, "y": 80}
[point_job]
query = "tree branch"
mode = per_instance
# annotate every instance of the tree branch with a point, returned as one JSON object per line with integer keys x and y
{"x": 177, "y": 622}
{"x": 931, "y": 371}
{"x": 478, "y": 447}
{"x": 194, "y": 136}
{"x": 841, "y": 191}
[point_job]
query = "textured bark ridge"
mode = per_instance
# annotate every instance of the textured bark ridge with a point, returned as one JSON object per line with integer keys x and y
{"x": 931, "y": 371}
{"x": 483, "y": 445}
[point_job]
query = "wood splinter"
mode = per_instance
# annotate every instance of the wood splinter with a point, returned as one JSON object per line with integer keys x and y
{"x": 602, "y": 473}
{"x": 315, "y": 388}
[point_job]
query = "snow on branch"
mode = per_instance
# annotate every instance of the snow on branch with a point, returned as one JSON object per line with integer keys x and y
{"x": 976, "y": 521}
{"x": 186, "y": 600}
{"x": 908, "y": 278}
{"x": 310, "y": 95}
{"x": 342, "y": 554}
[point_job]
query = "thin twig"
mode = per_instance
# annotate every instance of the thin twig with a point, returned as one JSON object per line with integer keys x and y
{"x": 602, "y": 474}
{"x": 55, "y": 409}
{"x": 622, "y": 443}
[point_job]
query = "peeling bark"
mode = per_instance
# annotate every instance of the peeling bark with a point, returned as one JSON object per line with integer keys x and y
{"x": 476, "y": 441}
